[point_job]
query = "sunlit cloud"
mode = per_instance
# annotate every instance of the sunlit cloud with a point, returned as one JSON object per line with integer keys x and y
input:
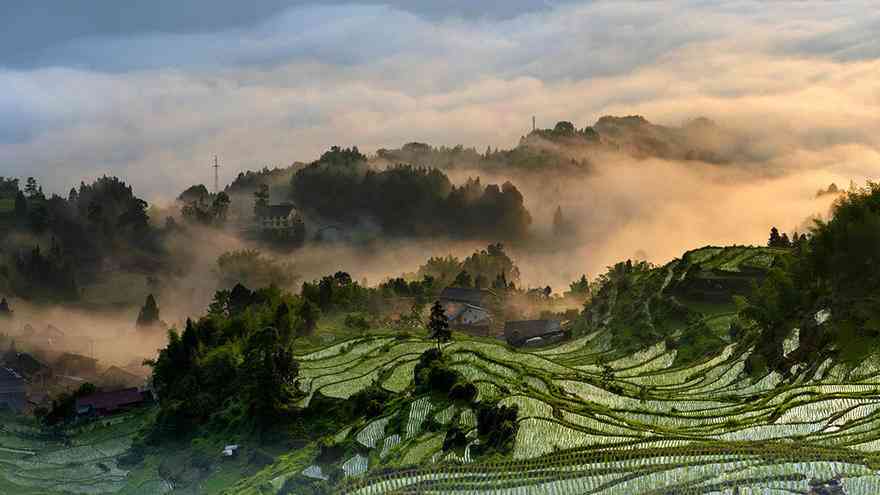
{"x": 153, "y": 107}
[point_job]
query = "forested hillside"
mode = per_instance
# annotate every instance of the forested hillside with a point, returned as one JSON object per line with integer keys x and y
{"x": 53, "y": 244}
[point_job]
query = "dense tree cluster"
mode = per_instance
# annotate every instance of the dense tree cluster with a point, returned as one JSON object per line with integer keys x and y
{"x": 201, "y": 207}
{"x": 234, "y": 365}
{"x": 75, "y": 235}
{"x": 496, "y": 426}
{"x": 407, "y": 201}
{"x": 834, "y": 270}
{"x": 487, "y": 268}
{"x": 252, "y": 268}
{"x": 336, "y": 292}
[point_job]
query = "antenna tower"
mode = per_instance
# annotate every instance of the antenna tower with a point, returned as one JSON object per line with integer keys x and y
{"x": 216, "y": 175}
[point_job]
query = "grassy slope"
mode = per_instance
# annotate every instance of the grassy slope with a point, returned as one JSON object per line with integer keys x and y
{"x": 83, "y": 460}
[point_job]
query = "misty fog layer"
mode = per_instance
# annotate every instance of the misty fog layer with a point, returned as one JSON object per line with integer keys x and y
{"x": 797, "y": 96}
{"x": 156, "y": 115}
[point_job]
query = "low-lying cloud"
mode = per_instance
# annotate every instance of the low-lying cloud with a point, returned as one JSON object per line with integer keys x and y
{"x": 154, "y": 108}
{"x": 795, "y": 82}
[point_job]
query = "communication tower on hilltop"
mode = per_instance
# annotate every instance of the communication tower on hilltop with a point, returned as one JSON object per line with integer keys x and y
{"x": 216, "y": 175}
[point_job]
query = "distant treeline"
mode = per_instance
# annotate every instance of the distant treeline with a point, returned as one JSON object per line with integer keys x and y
{"x": 826, "y": 287}
{"x": 407, "y": 201}
{"x": 48, "y": 242}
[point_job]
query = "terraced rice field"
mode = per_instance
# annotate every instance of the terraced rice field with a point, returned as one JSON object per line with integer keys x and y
{"x": 654, "y": 428}
{"x": 84, "y": 461}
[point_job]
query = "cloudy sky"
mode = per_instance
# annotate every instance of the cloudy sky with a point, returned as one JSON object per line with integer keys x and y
{"x": 151, "y": 91}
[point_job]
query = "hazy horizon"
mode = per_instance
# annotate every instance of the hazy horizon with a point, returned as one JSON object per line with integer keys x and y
{"x": 151, "y": 95}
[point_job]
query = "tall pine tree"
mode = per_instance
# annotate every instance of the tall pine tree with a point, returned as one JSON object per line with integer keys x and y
{"x": 149, "y": 314}
{"x": 5, "y": 310}
{"x": 438, "y": 325}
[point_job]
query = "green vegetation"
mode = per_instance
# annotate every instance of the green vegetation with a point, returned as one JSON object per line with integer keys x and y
{"x": 201, "y": 207}
{"x": 826, "y": 286}
{"x": 384, "y": 412}
{"x": 148, "y": 316}
{"x": 731, "y": 368}
{"x": 487, "y": 268}
{"x": 252, "y": 268}
{"x": 407, "y": 200}
{"x": 54, "y": 243}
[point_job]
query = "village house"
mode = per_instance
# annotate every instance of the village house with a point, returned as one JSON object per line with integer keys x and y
{"x": 106, "y": 403}
{"x": 471, "y": 319}
{"x": 466, "y": 309}
{"x": 50, "y": 336}
{"x": 75, "y": 365}
{"x": 277, "y": 217}
{"x": 533, "y": 332}
{"x": 25, "y": 364}
{"x": 12, "y": 390}
{"x": 116, "y": 377}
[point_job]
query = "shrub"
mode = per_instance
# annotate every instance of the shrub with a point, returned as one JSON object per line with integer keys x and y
{"x": 465, "y": 392}
{"x": 455, "y": 439}
{"x": 497, "y": 426}
{"x": 329, "y": 452}
{"x": 432, "y": 374}
{"x": 370, "y": 401}
{"x": 357, "y": 322}
{"x": 203, "y": 453}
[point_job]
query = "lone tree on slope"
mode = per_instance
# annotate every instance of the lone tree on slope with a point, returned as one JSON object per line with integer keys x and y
{"x": 5, "y": 311}
{"x": 777, "y": 240}
{"x": 149, "y": 314}
{"x": 438, "y": 325}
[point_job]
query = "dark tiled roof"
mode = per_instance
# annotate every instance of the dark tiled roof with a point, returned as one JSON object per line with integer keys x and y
{"x": 69, "y": 360}
{"x": 12, "y": 391}
{"x": 10, "y": 377}
{"x": 466, "y": 295}
{"x": 455, "y": 315}
{"x": 24, "y": 363}
{"x": 110, "y": 401}
{"x": 117, "y": 375}
{"x": 275, "y": 211}
{"x": 51, "y": 331}
{"x": 520, "y": 331}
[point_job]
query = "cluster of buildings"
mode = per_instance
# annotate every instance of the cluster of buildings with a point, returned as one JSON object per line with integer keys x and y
{"x": 105, "y": 403}
{"x": 468, "y": 310}
{"x": 41, "y": 363}
{"x": 280, "y": 217}
{"x": 278, "y": 223}
{"x": 12, "y": 390}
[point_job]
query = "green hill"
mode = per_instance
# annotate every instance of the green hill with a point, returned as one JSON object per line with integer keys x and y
{"x": 595, "y": 414}
{"x": 697, "y": 428}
